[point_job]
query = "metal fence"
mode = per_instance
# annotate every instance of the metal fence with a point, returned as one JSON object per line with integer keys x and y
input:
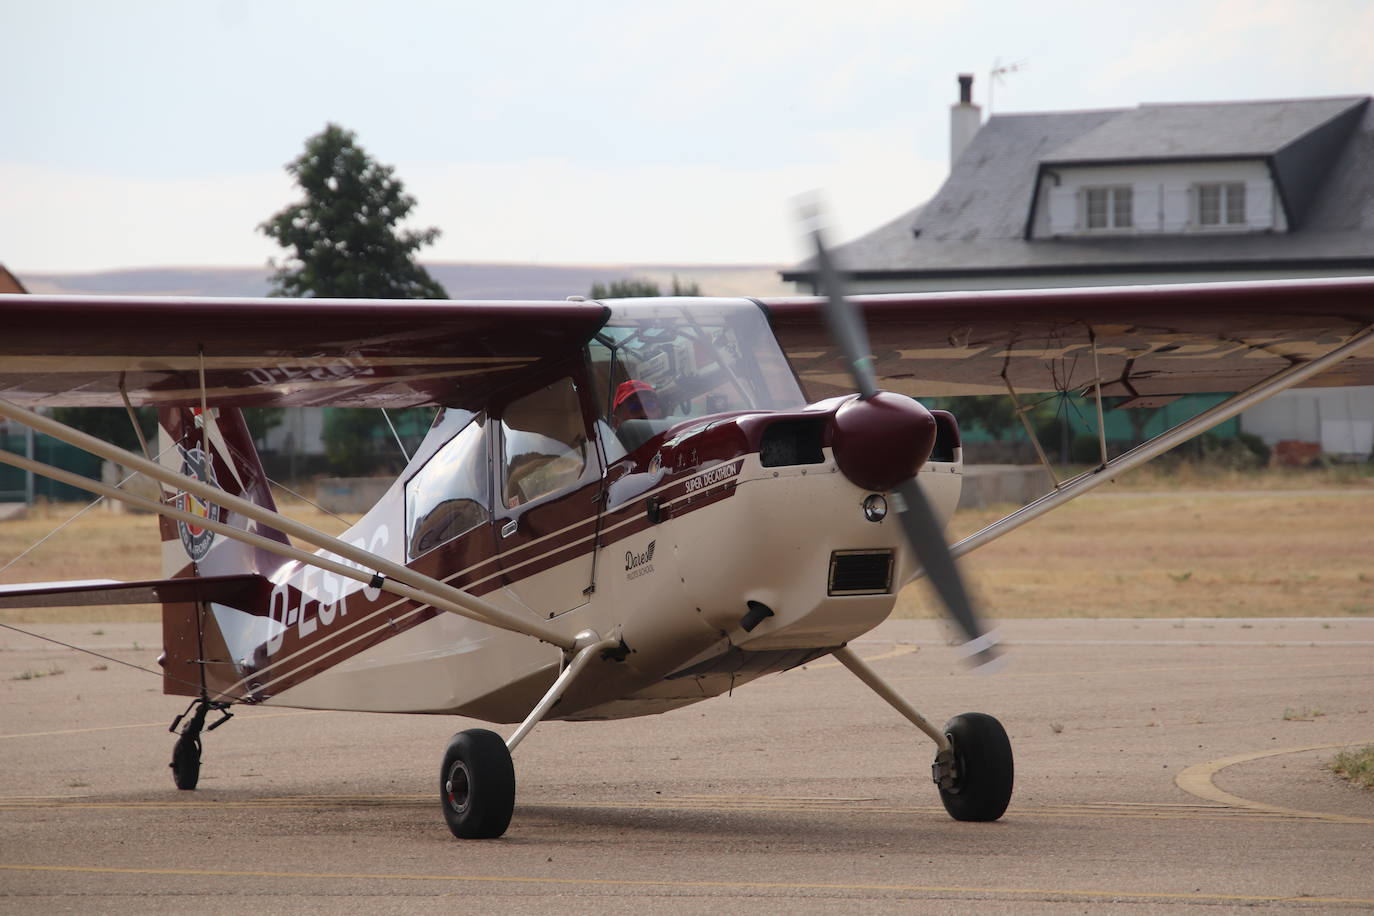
{"x": 14, "y": 483}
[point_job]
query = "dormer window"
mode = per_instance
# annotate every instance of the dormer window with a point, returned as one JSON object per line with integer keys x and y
{"x": 1107, "y": 208}
{"x": 1221, "y": 204}
{"x": 1156, "y": 198}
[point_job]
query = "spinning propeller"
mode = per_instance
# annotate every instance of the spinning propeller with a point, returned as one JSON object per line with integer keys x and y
{"x": 923, "y": 530}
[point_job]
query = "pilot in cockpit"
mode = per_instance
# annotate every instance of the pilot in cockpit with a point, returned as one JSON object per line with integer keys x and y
{"x": 635, "y": 400}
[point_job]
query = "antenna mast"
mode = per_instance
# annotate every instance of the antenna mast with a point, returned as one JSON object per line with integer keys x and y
{"x": 999, "y": 72}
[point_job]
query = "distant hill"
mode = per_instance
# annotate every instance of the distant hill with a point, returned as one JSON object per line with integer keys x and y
{"x": 462, "y": 280}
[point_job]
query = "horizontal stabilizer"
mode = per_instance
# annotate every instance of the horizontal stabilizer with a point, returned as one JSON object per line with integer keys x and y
{"x": 229, "y": 590}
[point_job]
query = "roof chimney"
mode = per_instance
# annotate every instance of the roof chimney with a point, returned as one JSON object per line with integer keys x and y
{"x": 964, "y": 119}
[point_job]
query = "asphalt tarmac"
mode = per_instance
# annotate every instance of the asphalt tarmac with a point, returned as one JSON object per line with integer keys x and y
{"x": 1161, "y": 765}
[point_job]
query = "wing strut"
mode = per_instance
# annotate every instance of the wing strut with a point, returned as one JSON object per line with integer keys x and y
{"x": 1261, "y": 391}
{"x": 253, "y": 540}
{"x": 417, "y": 586}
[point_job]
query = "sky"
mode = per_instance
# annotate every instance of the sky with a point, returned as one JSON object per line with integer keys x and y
{"x": 146, "y": 133}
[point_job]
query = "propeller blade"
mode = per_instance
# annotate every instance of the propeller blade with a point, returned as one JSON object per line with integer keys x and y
{"x": 922, "y": 528}
{"x": 845, "y": 323}
{"x": 928, "y": 541}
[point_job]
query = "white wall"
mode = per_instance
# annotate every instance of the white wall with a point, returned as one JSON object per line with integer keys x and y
{"x": 301, "y": 431}
{"x": 1162, "y": 197}
{"x": 1341, "y": 419}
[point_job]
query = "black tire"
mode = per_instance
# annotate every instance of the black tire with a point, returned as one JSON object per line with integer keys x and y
{"x": 186, "y": 762}
{"x": 477, "y": 785}
{"x": 983, "y": 770}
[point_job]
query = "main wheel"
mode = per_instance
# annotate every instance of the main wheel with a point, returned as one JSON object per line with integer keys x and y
{"x": 477, "y": 785}
{"x": 186, "y": 762}
{"x": 983, "y": 773}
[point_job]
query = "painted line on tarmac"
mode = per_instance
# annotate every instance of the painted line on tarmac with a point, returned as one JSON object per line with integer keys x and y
{"x": 629, "y": 883}
{"x": 725, "y": 804}
{"x": 1208, "y": 666}
{"x": 1197, "y": 780}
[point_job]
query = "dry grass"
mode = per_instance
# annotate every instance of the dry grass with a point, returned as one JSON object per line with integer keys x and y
{"x": 1177, "y": 543}
{"x": 1356, "y": 766}
{"x": 1171, "y": 476}
{"x": 99, "y": 544}
{"x": 1134, "y": 552}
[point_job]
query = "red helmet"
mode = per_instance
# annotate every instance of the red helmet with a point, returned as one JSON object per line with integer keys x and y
{"x": 635, "y": 400}
{"x": 629, "y": 389}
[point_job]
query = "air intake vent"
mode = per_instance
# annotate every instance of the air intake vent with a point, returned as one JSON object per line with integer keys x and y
{"x": 860, "y": 572}
{"x": 789, "y": 442}
{"x": 946, "y": 436}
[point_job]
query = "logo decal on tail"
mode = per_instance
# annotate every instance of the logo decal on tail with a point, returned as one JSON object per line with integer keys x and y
{"x": 196, "y": 540}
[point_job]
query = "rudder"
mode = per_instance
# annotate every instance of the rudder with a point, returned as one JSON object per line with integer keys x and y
{"x": 220, "y": 452}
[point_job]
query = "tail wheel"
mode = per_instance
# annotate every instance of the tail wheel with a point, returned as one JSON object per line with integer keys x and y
{"x": 477, "y": 785}
{"x": 186, "y": 762}
{"x": 980, "y": 786}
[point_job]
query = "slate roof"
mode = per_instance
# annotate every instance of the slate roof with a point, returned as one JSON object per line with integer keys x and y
{"x": 1202, "y": 131}
{"x": 975, "y": 225}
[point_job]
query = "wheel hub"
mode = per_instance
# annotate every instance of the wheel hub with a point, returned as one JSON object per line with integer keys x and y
{"x": 457, "y": 787}
{"x": 944, "y": 772}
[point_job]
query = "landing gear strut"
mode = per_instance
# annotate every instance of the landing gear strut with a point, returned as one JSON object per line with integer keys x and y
{"x": 186, "y": 754}
{"x": 477, "y": 779}
{"x": 973, "y": 763}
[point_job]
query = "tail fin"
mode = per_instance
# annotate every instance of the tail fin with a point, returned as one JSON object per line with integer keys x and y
{"x": 217, "y": 449}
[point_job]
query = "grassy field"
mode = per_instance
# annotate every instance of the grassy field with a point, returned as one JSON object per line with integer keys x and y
{"x": 1174, "y": 543}
{"x": 98, "y": 544}
{"x": 1177, "y": 553}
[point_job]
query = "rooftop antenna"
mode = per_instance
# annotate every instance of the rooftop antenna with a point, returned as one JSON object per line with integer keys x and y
{"x": 999, "y": 72}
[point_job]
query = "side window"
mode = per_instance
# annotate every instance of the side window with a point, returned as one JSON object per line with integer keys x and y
{"x": 545, "y": 443}
{"x": 601, "y": 359}
{"x": 450, "y": 493}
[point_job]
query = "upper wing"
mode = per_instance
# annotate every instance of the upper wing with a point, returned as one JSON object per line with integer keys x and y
{"x": 81, "y": 351}
{"x": 1147, "y": 340}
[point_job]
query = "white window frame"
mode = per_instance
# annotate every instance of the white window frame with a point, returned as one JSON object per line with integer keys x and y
{"x": 1231, "y": 196}
{"x": 1119, "y": 201}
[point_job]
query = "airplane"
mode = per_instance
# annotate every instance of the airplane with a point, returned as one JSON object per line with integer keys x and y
{"x": 622, "y": 507}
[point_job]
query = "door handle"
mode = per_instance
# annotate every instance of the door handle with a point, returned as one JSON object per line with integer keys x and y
{"x": 508, "y": 528}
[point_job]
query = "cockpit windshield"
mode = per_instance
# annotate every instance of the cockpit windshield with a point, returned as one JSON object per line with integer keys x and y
{"x": 659, "y": 362}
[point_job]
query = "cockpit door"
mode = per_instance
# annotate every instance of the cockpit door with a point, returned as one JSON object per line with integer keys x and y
{"x": 548, "y": 492}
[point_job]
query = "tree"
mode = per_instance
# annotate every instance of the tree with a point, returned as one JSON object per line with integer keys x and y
{"x": 262, "y": 419}
{"x": 343, "y": 237}
{"x": 344, "y": 242}
{"x": 358, "y": 441}
{"x": 111, "y": 424}
{"x": 636, "y": 287}
{"x": 995, "y": 413}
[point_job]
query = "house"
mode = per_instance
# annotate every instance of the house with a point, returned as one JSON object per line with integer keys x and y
{"x": 1153, "y": 194}
{"x": 1159, "y": 193}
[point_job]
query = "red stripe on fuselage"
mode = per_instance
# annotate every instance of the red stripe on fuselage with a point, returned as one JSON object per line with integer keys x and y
{"x": 390, "y": 616}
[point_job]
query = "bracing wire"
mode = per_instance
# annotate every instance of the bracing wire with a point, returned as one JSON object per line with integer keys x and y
{"x": 79, "y": 513}
{"x": 305, "y": 499}
{"x": 386, "y": 416}
{"x": 117, "y": 661}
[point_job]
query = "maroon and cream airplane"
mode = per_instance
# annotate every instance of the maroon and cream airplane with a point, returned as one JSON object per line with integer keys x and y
{"x": 621, "y": 508}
